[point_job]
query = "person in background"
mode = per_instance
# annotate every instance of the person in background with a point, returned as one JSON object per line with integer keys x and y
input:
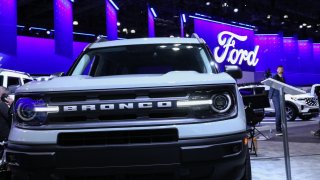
{"x": 5, "y": 121}
{"x": 274, "y": 95}
{"x": 317, "y": 92}
{"x": 267, "y": 73}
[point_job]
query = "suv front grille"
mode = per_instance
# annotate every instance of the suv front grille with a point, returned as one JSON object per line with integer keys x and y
{"x": 118, "y": 137}
{"x": 311, "y": 101}
{"x": 105, "y": 106}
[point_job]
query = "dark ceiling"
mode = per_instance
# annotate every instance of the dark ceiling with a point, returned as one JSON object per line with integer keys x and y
{"x": 133, "y": 15}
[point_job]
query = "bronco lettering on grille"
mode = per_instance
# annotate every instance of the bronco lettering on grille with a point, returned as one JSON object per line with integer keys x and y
{"x": 118, "y": 106}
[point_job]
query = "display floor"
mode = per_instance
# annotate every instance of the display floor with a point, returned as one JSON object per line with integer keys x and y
{"x": 304, "y": 152}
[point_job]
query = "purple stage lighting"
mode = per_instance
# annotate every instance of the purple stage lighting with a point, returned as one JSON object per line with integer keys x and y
{"x": 112, "y": 19}
{"x": 63, "y": 19}
{"x": 151, "y": 28}
{"x": 271, "y": 51}
{"x": 8, "y": 27}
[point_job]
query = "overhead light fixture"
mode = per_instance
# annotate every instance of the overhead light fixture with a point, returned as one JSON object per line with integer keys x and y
{"x": 132, "y": 31}
{"x": 282, "y": 22}
{"x": 184, "y": 18}
{"x": 208, "y": 3}
{"x": 114, "y": 5}
{"x": 225, "y": 4}
{"x": 309, "y": 26}
{"x": 153, "y": 12}
{"x": 36, "y": 28}
{"x": 171, "y": 36}
{"x": 125, "y": 30}
{"x": 187, "y": 35}
{"x": 304, "y": 24}
{"x": 75, "y": 23}
{"x": 163, "y": 46}
{"x": 118, "y": 24}
{"x": 300, "y": 26}
{"x": 48, "y": 32}
{"x": 285, "y": 16}
{"x": 235, "y": 10}
{"x": 176, "y": 49}
{"x": 269, "y": 16}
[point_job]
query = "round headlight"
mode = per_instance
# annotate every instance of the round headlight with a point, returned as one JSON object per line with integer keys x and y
{"x": 221, "y": 102}
{"x": 25, "y": 108}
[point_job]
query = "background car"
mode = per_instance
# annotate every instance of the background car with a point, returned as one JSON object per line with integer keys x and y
{"x": 304, "y": 106}
{"x": 13, "y": 79}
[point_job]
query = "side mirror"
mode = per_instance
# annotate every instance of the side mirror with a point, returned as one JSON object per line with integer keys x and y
{"x": 234, "y": 71}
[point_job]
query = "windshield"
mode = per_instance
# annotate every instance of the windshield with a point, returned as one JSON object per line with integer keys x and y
{"x": 144, "y": 59}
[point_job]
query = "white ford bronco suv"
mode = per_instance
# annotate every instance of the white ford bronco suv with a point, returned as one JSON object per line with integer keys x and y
{"x": 153, "y": 108}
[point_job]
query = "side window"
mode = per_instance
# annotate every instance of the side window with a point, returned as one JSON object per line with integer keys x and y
{"x": 13, "y": 81}
{"x": 26, "y": 81}
{"x": 1, "y": 80}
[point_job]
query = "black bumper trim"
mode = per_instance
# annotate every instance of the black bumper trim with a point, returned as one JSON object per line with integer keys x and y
{"x": 208, "y": 157}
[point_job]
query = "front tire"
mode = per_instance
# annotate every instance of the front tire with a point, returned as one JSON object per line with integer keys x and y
{"x": 291, "y": 112}
{"x": 247, "y": 174}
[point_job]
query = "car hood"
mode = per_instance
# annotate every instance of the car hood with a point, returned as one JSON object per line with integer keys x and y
{"x": 307, "y": 95}
{"x": 79, "y": 83}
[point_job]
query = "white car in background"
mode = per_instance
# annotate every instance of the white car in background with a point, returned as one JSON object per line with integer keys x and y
{"x": 13, "y": 79}
{"x": 304, "y": 106}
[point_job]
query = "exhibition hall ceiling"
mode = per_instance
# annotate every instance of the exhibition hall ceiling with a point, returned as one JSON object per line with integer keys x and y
{"x": 292, "y": 17}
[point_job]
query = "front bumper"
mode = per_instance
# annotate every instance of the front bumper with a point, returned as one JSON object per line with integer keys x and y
{"x": 208, "y": 158}
{"x": 305, "y": 111}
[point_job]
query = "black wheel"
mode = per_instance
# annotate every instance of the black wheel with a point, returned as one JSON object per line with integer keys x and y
{"x": 247, "y": 174}
{"x": 306, "y": 117}
{"x": 291, "y": 112}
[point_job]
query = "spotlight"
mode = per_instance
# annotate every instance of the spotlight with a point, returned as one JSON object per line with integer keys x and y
{"x": 285, "y": 16}
{"x": 118, "y": 24}
{"x": 171, "y": 36}
{"x": 269, "y": 16}
{"x": 187, "y": 35}
{"x": 225, "y": 4}
{"x": 282, "y": 22}
{"x": 48, "y": 32}
{"x": 208, "y": 3}
{"x": 300, "y": 26}
{"x": 304, "y": 24}
{"x": 75, "y": 23}
{"x": 133, "y": 31}
{"x": 309, "y": 26}
{"x": 125, "y": 30}
{"x": 235, "y": 10}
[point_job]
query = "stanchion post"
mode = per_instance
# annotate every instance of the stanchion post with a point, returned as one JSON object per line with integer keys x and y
{"x": 285, "y": 134}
